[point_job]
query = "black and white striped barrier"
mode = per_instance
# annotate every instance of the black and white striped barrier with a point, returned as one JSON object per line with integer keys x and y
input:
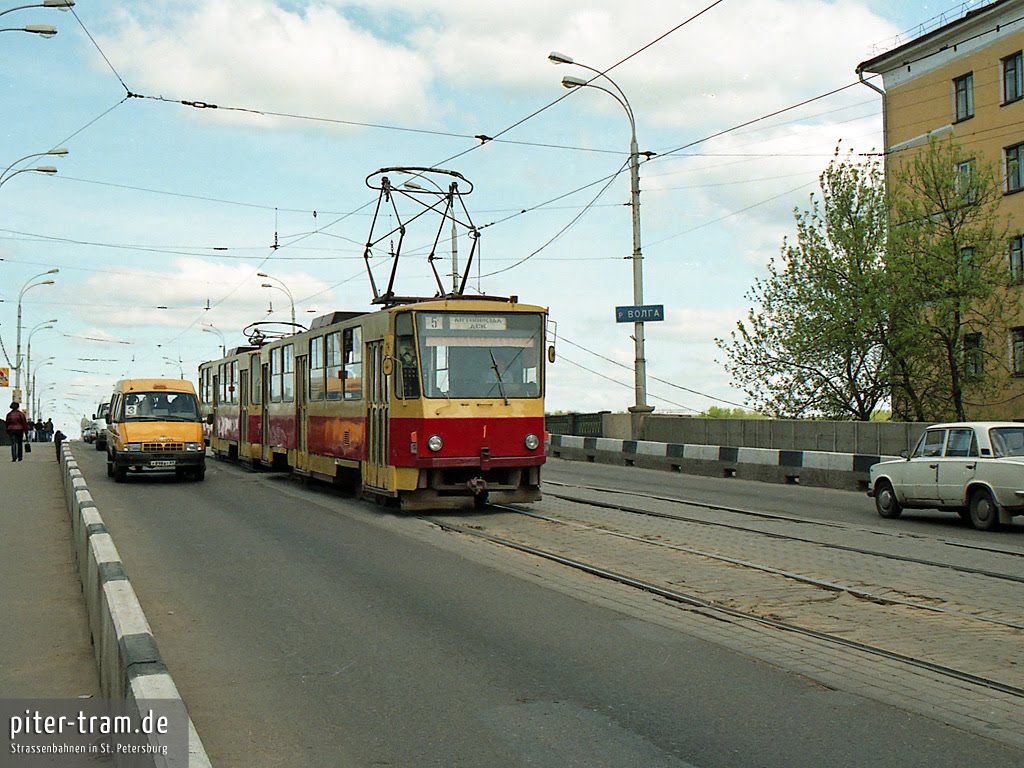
{"x": 817, "y": 468}
{"x": 130, "y": 667}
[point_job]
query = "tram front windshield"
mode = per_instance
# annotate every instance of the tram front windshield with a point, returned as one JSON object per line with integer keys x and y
{"x": 476, "y": 355}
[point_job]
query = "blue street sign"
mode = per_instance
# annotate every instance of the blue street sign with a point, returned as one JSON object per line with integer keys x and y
{"x": 645, "y": 313}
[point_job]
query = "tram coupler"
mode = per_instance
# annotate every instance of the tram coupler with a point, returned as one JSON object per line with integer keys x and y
{"x": 478, "y": 486}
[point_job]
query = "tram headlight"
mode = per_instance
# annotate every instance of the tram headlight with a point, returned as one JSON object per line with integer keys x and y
{"x": 531, "y": 441}
{"x": 435, "y": 443}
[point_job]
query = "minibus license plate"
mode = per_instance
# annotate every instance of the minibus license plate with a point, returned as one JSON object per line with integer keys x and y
{"x": 163, "y": 463}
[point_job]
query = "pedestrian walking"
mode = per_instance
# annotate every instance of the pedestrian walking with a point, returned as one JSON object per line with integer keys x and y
{"x": 58, "y": 438}
{"x": 17, "y": 426}
{"x": 48, "y": 430}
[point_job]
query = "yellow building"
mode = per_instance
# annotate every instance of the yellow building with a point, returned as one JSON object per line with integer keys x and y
{"x": 965, "y": 81}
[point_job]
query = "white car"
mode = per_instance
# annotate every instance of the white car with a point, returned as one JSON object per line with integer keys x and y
{"x": 973, "y": 468}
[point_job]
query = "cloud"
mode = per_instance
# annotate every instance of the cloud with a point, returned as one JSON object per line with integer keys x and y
{"x": 131, "y": 299}
{"x": 254, "y": 53}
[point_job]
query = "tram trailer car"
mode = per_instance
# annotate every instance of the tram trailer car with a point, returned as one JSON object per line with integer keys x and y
{"x": 230, "y": 394}
{"x": 437, "y": 404}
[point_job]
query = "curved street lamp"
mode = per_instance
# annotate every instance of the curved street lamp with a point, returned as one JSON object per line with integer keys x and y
{"x": 43, "y": 30}
{"x": 640, "y": 361}
{"x": 56, "y": 152}
{"x": 29, "y": 285}
{"x": 281, "y": 287}
{"x": 32, "y": 381}
{"x": 223, "y": 345}
{"x": 28, "y": 355}
{"x": 181, "y": 371}
{"x": 60, "y": 5}
{"x": 455, "y": 247}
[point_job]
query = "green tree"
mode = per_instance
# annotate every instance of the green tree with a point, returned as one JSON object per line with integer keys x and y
{"x": 811, "y": 345}
{"x": 944, "y": 268}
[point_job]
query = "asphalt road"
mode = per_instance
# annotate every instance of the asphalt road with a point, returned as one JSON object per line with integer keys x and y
{"x": 307, "y": 629}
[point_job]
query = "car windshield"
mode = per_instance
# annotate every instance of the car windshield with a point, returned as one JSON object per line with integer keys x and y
{"x": 476, "y": 355}
{"x": 1007, "y": 441}
{"x": 160, "y": 406}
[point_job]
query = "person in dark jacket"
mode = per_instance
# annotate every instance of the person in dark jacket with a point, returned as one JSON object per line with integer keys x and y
{"x": 17, "y": 426}
{"x": 58, "y": 438}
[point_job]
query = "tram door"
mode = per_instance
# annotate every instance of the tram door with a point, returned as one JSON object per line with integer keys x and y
{"x": 243, "y": 413}
{"x": 375, "y": 469}
{"x": 265, "y": 452}
{"x": 215, "y": 409}
{"x": 301, "y": 391}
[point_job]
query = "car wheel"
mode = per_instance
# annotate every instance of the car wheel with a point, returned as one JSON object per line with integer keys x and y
{"x": 199, "y": 474}
{"x": 984, "y": 511}
{"x": 120, "y": 474}
{"x": 885, "y": 500}
{"x": 100, "y": 446}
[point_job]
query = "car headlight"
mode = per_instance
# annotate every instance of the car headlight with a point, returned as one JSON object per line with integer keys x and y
{"x": 435, "y": 443}
{"x": 193, "y": 447}
{"x": 531, "y": 442}
{"x": 133, "y": 446}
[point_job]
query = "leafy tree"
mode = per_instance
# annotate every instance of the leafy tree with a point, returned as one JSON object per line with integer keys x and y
{"x": 944, "y": 268}
{"x": 811, "y": 345}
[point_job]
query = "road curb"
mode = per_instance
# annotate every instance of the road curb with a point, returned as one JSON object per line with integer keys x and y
{"x": 130, "y": 667}
{"x": 847, "y": 471}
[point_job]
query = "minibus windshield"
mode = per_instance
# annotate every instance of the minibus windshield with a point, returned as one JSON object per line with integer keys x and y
{"x": 159, "y": 406}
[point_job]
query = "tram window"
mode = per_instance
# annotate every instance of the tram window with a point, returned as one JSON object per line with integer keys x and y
{"x": 407, "y": 382}
{"x": 316, "y": 368}
{"x": 221, "y": 382}
{"x": 234, "y": 381}
{"x": 333, "y": 360}
{"x": 288, "y": 373}
{"x": 275, "y": 375}
{"x": 255, "y": 380}
{"x": 353, "y": 380}
{"x": 478, "y": 355}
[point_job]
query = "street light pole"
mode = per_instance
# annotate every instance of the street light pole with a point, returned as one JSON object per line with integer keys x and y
{"x": 451, "y": 206}
{"x": 281, "y": 287}
{"x": 223, "y": 345}
{"x": 29, "y": 285}
{"x": 640, "y": 406}
{"x": 28, "y": 355}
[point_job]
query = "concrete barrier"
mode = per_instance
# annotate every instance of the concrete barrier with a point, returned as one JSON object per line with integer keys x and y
{"x": 846, "y": 471}
{"x": 130, "y": 668}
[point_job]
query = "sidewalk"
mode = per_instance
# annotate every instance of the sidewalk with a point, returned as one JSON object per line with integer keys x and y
{"x": 45, "y": 651}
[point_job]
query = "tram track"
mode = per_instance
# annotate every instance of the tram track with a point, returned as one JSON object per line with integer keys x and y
{"x": 773, "y": 534}
{"x": 821, "y": 583}
{"x": 719, "y": 609}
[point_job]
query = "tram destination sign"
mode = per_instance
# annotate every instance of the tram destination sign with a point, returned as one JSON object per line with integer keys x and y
{"x": 645, "y": 313}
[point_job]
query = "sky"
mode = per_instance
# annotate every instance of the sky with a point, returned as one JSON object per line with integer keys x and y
{"x": 209, "y": 140}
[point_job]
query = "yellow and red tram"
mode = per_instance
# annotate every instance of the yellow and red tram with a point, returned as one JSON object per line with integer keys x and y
{"x": 436, "y": 403}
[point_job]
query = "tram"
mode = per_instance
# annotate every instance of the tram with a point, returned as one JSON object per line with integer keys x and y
{"x": 432, "y": 404}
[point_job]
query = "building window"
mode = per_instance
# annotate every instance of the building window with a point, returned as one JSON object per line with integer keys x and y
{"x": 965, "y": 187}
{"x": 963, "y": 97}
{"x": 1014, "y": 168}
{"x": 1017, "y": 351}
{"x": 1017, "y": 260}
{"x": 1013, "y": 85}
{"x": 972, "y": 355}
